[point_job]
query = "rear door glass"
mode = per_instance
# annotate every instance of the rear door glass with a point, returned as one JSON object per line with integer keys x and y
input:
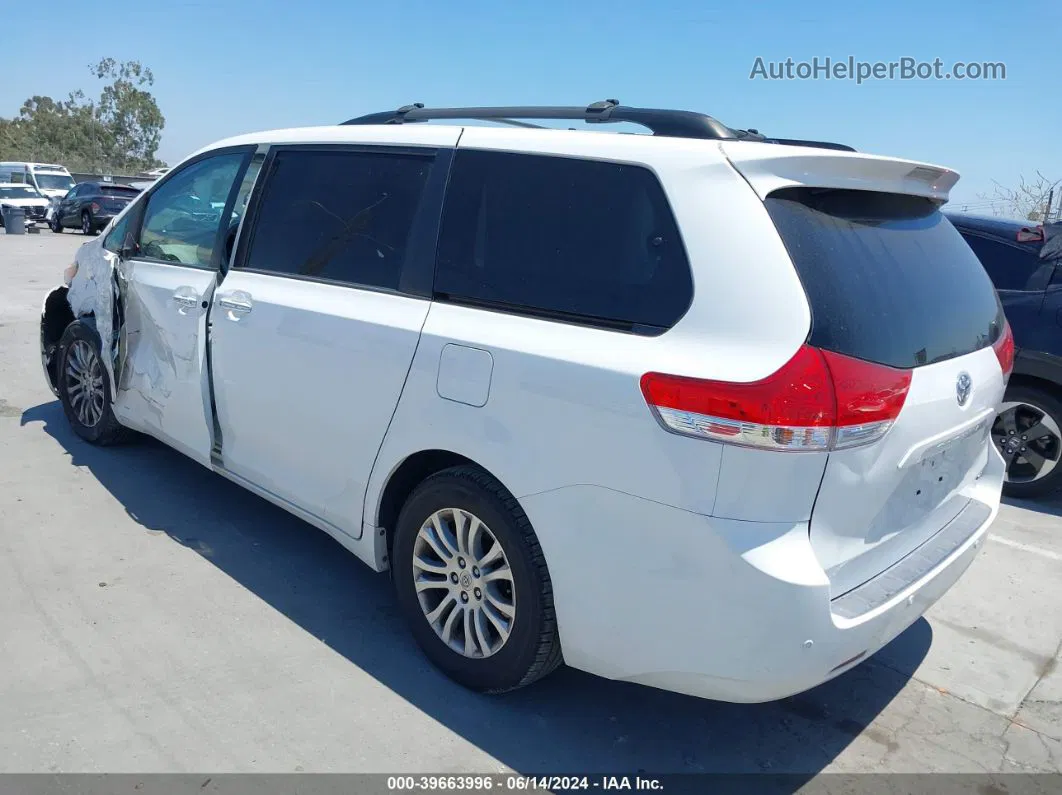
{"x": 888, "y": 278}
{"x": 589, "y": 242}
{"x": 1011, "y": 267}
{"x": 340, "y": 216}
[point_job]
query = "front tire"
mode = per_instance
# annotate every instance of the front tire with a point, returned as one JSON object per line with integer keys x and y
{"x": 1028, "y": 433}
{"x": 472, "y": 582}
{"x": 83, "y": 387}
{"x": 56, "y": 225}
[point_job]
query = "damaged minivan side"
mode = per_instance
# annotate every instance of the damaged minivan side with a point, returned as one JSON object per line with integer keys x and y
{"x": 523, "y": 370}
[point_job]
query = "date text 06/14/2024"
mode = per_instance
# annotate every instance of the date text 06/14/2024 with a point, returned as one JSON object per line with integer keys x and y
{"x": 520, "y": 783}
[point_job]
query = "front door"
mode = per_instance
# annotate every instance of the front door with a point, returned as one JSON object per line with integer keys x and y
{"x": 167, "y": 282}
{"x": 314, "y": 329}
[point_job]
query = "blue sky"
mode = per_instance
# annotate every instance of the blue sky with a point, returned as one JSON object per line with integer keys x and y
{"x": 223, "y": 67}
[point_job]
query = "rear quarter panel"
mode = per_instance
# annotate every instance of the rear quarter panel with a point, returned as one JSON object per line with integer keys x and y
{"x": 564, "y": 405}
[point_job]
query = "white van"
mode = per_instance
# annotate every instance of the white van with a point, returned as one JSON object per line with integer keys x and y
{"x": 709, "y": 412}
{"x": 52, "y": 180}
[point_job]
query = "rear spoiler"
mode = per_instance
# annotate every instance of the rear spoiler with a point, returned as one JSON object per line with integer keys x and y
{"x": 768, "y": 169}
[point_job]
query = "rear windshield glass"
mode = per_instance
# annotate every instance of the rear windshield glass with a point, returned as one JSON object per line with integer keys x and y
{"x": 889, "y": 279}
{"x": 119, "y": 191}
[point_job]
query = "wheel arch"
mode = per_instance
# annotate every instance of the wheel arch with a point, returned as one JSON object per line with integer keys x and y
{"x": 56, "y": 317}
{"x": 1037, "y": 368}
{"x": 413, "y": 470}
{"x": 1038, "y": 382}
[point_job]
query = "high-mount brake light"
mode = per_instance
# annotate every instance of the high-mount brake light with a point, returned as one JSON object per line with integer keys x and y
{"x": 818, "y": 400}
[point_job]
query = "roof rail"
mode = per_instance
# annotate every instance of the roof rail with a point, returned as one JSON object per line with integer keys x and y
{"x": 671, "y": 123}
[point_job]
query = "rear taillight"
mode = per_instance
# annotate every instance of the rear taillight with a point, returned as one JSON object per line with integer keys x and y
{"x": 95, "y": 207}
{"x": 818, "y": 400}
{"x": 1004, "y": 348}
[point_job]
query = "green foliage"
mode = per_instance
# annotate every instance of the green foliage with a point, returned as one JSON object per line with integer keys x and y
{"x": 118, "y": 133}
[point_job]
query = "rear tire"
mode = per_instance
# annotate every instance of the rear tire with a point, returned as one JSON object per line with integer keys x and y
{"x": 1032, "y": 408}
{"x": 84, "y": 389}
{"x": 506, "y": 647}
{"x": 88, "y": 226}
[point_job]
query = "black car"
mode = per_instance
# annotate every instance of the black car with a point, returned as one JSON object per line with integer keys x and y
{"x": 89, "y": 206}
{"x": 1025, "y": 264}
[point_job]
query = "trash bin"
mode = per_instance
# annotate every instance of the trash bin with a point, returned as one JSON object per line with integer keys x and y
{"x": 14, "y": 221}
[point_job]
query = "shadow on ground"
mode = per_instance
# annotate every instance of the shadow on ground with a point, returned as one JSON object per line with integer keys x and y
{"x": 1050, "y": 504}
{"x": 568, "y": 722}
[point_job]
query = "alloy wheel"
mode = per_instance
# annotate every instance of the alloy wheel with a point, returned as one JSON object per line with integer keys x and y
{"x": 1029, "y": 440}
{"x": 84, "y": 383}
{"x": 464, "y": 583}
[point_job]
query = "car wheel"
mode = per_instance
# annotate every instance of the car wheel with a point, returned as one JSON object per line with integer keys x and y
{"x": 472, "y": 582}
{"x": 1028, "y": 433}
{"x": 87, "y": 225}
{"x": 56, "y": 226}
{"x": 83, "y": 387}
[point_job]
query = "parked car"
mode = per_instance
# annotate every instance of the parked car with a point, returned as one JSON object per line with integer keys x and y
{"x": 539, "y": 376}
{"x": 1028, "y": 277}
{"x": 51, "y": 179}
{"x": 25, "y": 196}
{"x": 90, "y": 206}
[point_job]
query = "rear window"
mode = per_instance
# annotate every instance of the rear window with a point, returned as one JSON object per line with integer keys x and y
{"x": 888, "y": 278}
{"x": 119, "y": 191}
{"x": 580, "y": 241}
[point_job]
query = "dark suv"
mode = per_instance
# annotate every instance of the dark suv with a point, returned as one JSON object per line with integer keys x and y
{"x": 1025, "y": 264}
{"x": 89, "y": 206}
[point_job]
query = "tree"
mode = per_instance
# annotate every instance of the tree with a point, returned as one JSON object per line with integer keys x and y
{"x": 129, "y": 113}
{"x": 118, "y": 133}
{"x": 1028, "y": 201}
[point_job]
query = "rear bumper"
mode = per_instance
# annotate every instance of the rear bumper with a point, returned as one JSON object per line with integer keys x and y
{"x": 727, "y": 610}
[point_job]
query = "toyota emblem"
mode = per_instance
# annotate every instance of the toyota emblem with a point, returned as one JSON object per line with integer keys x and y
{"x": 963, "y": 387}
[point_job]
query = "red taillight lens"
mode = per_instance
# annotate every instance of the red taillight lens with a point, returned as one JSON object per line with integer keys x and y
{"x": 1004, "y": 348}
{"x": 818, "y": 400}
{"x": 869, "y": 397}
{"x": 95, "y": 207}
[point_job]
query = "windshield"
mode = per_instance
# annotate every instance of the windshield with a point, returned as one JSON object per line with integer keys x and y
{"x": 19, "y": 193}
{"x": 53, "y": 181}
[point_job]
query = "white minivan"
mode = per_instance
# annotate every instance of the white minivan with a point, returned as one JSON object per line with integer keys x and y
{"x": 51, "y": 180}
{"x": 697, "y": 409}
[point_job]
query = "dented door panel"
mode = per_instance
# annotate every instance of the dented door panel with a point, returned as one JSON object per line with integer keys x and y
{"x": 166, "y": 282}
{"x": 163, "y": 388}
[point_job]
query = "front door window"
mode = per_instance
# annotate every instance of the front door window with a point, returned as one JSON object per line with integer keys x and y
{"x": 182, "y": 218}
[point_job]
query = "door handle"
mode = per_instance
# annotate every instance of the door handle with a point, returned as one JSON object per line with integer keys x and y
{"x": 237, "y": 301}
{"x": 186, "y": 298}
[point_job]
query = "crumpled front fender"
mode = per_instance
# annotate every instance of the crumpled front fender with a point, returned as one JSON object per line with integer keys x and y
{"x": 94, "y": 291}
